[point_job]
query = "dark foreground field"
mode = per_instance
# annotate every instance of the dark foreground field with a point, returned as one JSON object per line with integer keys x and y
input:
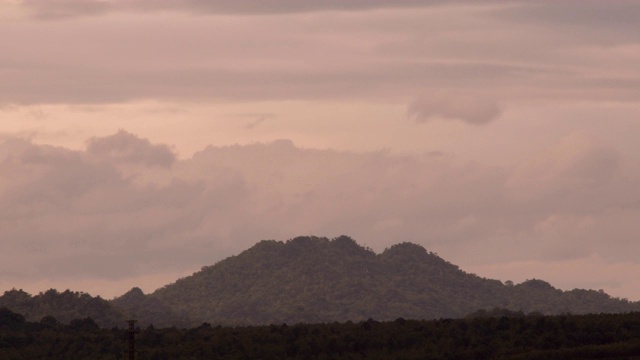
{"x": 512, "y": 336}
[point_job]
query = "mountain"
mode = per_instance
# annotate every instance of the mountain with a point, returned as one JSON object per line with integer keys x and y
{"x": 312, "y": 280}
{"x": 63, "y": 306}
{"x": 150, "y": 310}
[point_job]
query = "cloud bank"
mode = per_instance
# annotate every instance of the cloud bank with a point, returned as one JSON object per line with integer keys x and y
{"x": 125, "y": 210}
{"x": 55, "y": 9}
{"x": 127, "y": 148}
{"x": 534, "y": 80}
{"x": 218, "y": 51}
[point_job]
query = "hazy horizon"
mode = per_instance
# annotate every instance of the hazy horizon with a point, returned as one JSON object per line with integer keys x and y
{"x": 142, "y": 140}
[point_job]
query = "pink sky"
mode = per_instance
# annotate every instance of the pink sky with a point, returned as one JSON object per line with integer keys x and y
{"x": 142, "y": 140}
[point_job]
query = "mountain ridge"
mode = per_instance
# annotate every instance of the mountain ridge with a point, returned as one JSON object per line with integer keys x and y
{"x": 316, "y": 279}
{"x": 311, "y": 279}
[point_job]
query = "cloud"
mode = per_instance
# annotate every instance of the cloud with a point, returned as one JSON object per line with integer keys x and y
{"x": 584, "y": 15}
{"x": 577, "y": 164}
{"x": 128, "y": 148}
{"x": 258, "y": 119}
{"x": 283, "y": 6}
{"x": 369, "y": 56}
{"x": 54, "y": 9}
{"x": 72, "y": 215}
{"x": 43, "y": 178}
{"x": 126, "y": 200}
{"x": 475, "y": 110}
{"x": 101, "y": 83}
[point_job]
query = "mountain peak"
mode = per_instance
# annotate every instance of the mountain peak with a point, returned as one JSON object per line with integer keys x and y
{"x": 405, "y": 251}
{"x": 307, "y": 241}
{"x": 345, "y": 241}
{"x": 133, "y": 296}
{"x": 537, "y": 284}
{"x": 317, "y": 279}
{"x": 134, "y": 292}
{"x": 406, "y": 247}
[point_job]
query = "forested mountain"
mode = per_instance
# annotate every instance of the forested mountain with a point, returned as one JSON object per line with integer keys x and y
{"x": 317, "y": 280}
{"x": 312, "y": 279}
{"x": 62, "y": 307}
{"x": 150, "y": 310}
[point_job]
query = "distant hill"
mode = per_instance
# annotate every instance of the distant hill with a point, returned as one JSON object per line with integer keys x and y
{"x": 313, "y": 280}
{"x": 149, "y": 310}
{"x": 63, "y": 306}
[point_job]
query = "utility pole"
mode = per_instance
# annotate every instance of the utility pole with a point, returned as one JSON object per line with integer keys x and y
{"x": 132, "y": 339}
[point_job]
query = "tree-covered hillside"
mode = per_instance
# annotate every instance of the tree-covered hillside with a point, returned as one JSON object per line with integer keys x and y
{"x": 312, "y": 279}
{"x": 62, "y": 306}
{"x": 149, "y": 310}
{"x": 317, "y": 280}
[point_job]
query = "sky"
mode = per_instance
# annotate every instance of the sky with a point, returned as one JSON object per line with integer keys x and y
{"x": 143, "y": 139}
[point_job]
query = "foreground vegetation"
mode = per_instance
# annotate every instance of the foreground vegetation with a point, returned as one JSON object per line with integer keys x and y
{"x": 501, "y": 335}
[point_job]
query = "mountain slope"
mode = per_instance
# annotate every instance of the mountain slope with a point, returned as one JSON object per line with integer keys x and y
{"x": 147, "y": 310}
{"x": 311, "y": 279}
{"x": 63, "y": 306}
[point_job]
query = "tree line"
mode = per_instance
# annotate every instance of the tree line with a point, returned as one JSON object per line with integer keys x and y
{"x": 497, "y": 334}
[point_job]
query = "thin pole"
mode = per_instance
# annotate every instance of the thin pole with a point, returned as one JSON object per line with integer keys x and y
{"x": 132, "y": 339}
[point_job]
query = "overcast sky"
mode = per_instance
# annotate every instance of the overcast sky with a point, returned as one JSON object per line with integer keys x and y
{"x": 143, "y": 139}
